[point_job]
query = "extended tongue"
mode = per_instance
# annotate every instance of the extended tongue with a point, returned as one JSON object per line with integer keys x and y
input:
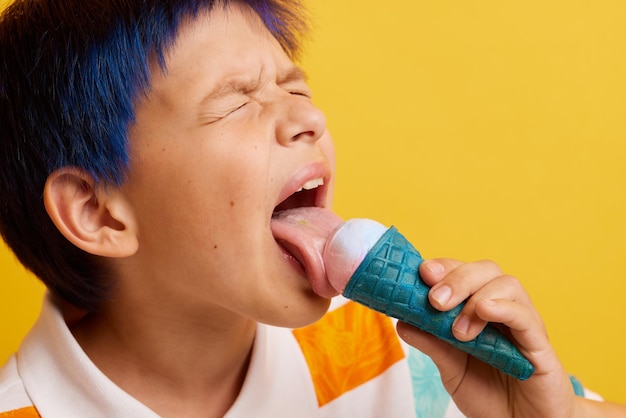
{"x": 304, "y": 232}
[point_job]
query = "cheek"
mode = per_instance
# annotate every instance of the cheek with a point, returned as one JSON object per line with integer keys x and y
{"x": 213, "y": 195}
{"x": 328, "y": 148}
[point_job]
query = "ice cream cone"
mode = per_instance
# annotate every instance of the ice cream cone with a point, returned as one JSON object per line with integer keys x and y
{"x": 388, "y": 281}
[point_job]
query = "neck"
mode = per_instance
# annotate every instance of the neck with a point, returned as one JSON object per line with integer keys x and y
{"x": 175, "y": 365}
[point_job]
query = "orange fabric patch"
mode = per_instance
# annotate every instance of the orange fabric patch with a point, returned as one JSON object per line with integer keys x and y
{"x": 346, "y": 348}
{"x": 28, "y": 412}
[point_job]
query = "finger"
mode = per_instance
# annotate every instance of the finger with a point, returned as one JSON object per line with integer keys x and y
{"x": 525, "y": 325}
{"x": 461, "y": 282}
{"x": 434, "y": 270}
{"x": 527, "y": 331}
{"x": 470, "y": 323}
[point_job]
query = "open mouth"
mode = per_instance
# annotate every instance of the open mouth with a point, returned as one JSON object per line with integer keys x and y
{"x": 308, "y": 195}
{"x": 301, "y": 225}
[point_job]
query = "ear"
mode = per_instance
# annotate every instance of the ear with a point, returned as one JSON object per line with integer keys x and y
{"x": 95, "y": 218}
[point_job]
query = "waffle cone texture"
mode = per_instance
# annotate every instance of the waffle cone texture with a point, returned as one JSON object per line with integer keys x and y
{"x": 388, "y": 281}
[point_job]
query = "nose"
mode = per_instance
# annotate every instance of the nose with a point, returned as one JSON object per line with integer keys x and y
{"x": 299, "y": 120}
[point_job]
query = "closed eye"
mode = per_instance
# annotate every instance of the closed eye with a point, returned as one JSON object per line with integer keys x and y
{"x": 301, "y": 93}
{"x": 238, "y": 107}
{"x": 212, "y": 117}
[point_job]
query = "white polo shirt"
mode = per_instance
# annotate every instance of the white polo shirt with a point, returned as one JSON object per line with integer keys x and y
{"x": 349, "y": 364}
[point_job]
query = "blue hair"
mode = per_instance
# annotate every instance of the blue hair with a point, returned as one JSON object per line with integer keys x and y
{"x": 71, "y": 73}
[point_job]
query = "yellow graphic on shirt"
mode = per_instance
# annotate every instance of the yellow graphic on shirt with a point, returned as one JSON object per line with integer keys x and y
{"x": 346, "y": 348}
{"x": 28, "y": 412}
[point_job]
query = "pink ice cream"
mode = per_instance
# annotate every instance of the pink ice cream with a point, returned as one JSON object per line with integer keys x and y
{"x": 329, "y": 249}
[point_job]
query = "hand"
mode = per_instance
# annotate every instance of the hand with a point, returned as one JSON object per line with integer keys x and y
{"x": 478, "y": 389}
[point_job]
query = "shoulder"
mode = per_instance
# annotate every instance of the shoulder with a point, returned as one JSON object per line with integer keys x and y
{"x": 14, "y": 401}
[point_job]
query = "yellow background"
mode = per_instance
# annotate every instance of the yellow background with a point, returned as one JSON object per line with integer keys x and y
{"x": 481, "y": 129}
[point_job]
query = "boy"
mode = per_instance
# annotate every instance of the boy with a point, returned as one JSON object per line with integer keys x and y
{"x": 163, "y": 137}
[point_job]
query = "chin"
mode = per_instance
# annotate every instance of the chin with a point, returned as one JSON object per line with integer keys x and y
{"x": 302, "y": 314}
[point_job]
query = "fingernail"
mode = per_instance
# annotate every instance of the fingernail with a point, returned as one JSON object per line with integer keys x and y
{"x": 434, "y": 267}
{"x": 442, "y": 295}
{"x": 461, "y": 325}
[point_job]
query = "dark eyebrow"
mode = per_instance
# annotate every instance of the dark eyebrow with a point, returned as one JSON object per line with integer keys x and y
{"x": 294, "y": 73}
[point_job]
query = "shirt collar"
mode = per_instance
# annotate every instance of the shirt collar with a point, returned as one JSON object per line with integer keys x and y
{"x": 63, "y": 382}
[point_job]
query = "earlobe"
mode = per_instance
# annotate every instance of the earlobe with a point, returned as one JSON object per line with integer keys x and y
{"x": 95, "y": 219}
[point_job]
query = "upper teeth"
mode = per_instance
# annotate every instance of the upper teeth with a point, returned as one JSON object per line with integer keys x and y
{"x": 312, "y": 184}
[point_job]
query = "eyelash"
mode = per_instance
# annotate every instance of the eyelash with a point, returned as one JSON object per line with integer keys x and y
{"x": 300, "y": 93}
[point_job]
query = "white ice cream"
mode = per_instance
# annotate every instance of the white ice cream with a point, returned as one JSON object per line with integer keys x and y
{"x": 346, "y": 248}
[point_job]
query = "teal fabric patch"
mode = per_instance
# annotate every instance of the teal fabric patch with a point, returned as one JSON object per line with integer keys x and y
{"x": 431, "y": 398}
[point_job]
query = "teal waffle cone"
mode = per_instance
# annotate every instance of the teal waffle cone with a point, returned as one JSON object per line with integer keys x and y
{"x": 388, "y": 281}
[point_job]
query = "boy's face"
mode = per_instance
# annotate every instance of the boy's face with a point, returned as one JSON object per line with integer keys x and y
{"x": 226, "y": 135}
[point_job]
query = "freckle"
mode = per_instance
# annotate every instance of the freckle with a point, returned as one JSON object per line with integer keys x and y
{"x": 286, "y": 306}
